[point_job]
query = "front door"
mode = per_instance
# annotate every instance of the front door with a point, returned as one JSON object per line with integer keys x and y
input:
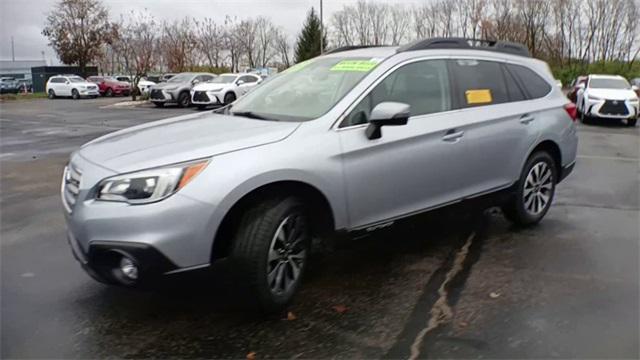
{"x": 411, "y": 167}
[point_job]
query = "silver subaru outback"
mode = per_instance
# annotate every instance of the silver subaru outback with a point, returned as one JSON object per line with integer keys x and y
{"x": 349, "y": 141}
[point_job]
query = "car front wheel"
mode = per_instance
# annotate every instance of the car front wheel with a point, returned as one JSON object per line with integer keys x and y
{"x": 184, "y": 100}
{"x": 535, "y": 191}
{"x": 271, "y": 247}
{"x": 229, "y": 98}
{"x": 75, "y": 95}
{"x": 632, "y": 122}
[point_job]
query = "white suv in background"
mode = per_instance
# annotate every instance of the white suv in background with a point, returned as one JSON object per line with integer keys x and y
{"x": 71, "y": 85}
{"x": 224, "y": 89}
{"x": 608, "y": 97}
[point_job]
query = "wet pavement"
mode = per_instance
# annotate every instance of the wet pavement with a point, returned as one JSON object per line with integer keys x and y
{"x": 462, "y": 281}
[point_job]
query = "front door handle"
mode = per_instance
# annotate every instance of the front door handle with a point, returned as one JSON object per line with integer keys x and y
{"x": 526, "y": 118}
{"x": 452, "y": 136}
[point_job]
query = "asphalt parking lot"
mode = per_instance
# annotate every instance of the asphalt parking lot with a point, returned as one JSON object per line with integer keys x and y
{"x": 568, "y": 288}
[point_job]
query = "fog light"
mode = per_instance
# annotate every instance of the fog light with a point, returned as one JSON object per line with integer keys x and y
{"x": 129, "y": 268}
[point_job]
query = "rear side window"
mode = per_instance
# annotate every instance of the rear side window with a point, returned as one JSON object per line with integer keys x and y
{"x": 534, "y": 85}
{"x": 479, "y": 82}
{"x": 513, "y": 88}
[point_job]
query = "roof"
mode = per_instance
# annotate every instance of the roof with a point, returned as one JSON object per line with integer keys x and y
{"x": 20, "y": 64}
{"x": 604, "y": 76}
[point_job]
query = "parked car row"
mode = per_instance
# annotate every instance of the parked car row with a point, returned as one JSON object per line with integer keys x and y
{"x": 202, "y": 89}
{"x": 609, "y": 97}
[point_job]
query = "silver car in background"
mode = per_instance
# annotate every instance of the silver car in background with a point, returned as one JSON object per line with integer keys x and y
{"x": 177, "y": 89}
{"x": 350, "y": 141}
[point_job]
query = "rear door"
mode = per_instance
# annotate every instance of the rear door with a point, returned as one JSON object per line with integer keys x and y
{"x": 501, "y": 124}
{"x": 411, "y": 167}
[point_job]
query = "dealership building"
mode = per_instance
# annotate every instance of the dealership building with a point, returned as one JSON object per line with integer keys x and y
{"x": 19, "y": 69}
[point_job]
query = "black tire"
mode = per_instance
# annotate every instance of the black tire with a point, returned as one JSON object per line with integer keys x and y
{"x": 229, "y": 98}
{"x": 158, "y": 104}
{"x": 202, "y": 107}
{"x": 583, "y": 117}
{"x": 108, "y": 92}
{"x": 51, "y": 94}
{"x": 632, "y": 122}
{"x": 519, "y": 207}
{"x": 253, "y": 240}
{"x": 74, "y": 94}
{"x": 184, "y": 100}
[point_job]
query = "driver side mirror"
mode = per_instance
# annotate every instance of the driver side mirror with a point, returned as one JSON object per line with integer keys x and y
{"x": 195, "y": 81}
{"x": 67, "y": 82}
{"x": 580, "y": 86}
{"x": 634, "y": 87}
{"x": 387, "y": 113}
{"x": 240, "y": 82}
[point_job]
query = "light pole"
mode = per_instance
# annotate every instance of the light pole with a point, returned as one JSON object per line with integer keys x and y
{"x": 321, "y": 30}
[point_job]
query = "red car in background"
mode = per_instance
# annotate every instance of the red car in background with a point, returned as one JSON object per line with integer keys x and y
{"x": 573, "y": 94}
{"x": 109, "y": 86}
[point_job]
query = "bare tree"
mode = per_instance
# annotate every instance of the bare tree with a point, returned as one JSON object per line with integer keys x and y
{"x": 266, "y": 40}
{"x": 179, "y": 44}
{"x": 77, "y": 31}
{"x": 283, "y": 47}
{"x": 135, "y": 45}
{"x": 210, "y": 41}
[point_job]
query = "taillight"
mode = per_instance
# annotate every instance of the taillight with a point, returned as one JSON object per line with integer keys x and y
{"x": 572, "y": 110}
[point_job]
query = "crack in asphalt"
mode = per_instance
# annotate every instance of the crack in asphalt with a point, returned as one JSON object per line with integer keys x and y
{"x": 441, "y": 312}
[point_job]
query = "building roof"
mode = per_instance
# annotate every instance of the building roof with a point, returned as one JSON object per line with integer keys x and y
{"x": 20, "y": 64}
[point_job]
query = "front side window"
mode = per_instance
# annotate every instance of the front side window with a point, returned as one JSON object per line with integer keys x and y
{"x": 182, "y": 78}
{"x": 306, "y": 90}
{"x": 224, "y": 79}
{"x": 248, "y": 79}
{"x": 604, "y": 83}
{"x": 479, "y": 82}
{"x": 423, "y": 85}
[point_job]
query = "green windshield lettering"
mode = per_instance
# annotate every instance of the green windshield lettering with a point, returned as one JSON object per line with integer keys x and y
{"x": 354, "y": 65}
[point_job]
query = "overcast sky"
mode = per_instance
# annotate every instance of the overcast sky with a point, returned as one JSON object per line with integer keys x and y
{"x": 24, "y": 19}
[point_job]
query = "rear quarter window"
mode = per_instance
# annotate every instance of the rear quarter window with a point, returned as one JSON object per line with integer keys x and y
{"x": 535, "y": 86}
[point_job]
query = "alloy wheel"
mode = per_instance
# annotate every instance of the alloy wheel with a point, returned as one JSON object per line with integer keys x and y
{"x": 538, "y": 188}
{"x": 287, "y": 254}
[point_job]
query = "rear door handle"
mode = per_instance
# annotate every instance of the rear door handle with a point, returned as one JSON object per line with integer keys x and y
{"x": 452, "y": 136}
{"x": 526, "y": 118}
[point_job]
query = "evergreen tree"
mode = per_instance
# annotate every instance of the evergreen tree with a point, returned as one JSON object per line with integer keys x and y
{"x": 308, "y": 44}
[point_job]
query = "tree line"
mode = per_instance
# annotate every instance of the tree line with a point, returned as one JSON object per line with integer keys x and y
{"x": 567, "y": 33}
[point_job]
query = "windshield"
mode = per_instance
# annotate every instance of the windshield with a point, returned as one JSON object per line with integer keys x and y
{"x": 306, "y": 90}
{"x": 603, "y": 83}
{"x": 180, "y": 78}
{"x": 223, "y": 79}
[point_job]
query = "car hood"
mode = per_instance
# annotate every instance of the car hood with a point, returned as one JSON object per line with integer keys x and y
{"x": 613, "y": 94}
{"x": 180, "y": 139}
{"x": 166, "y": 85}
{"x": 211, "y": 86}
{"x": 146, "y": 83}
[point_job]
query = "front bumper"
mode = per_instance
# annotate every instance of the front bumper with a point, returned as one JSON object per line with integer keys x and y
{"x": 612, "y": 109}
{"x": 206, "y": 98}
{"x": 89, "y": 92}
{"x": 161, "y": 96}
{"x": 171, "y": 235}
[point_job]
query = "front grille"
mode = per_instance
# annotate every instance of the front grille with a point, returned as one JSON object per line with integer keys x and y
{"x": 92, "y": 87}
{"x": 200, "y": 96}
{"x": 157, "y": 94}
{"x": 70, "y": 186}
{"x": 614, "y": 107}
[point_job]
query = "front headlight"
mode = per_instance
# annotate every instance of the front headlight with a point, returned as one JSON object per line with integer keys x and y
{"x": 149, "y": 185}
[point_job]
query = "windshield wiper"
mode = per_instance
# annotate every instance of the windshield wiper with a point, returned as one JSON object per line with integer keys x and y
{"x": 249, "y": 114}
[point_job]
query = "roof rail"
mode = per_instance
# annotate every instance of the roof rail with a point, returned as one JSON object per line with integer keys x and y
{"x": 349, "y": 48}
{"x": 466, "y": 43}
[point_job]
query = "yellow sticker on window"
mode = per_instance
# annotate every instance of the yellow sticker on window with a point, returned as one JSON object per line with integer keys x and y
{"x": 354, "y": 65}
{"x": 479, "y": 96}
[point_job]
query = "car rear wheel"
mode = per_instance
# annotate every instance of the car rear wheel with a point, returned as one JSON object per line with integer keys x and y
{"x": 202, "y": 107}
{"x": 535, "y": 191}
{"x": 75, "y": 95}
{"x": 51, "y": 94}
{"x": 270, "y": 248}
{"x": 229, "y": 98}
